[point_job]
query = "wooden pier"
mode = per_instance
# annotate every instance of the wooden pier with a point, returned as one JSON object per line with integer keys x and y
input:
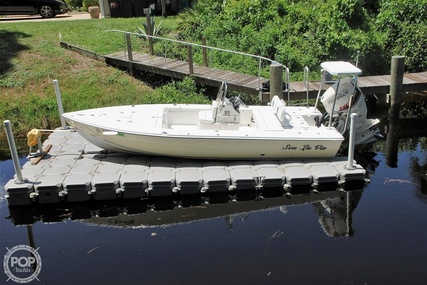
{"x": 134, "y": 61}
{"x": 250, "y": 84}
{"x": 75, "y": 170}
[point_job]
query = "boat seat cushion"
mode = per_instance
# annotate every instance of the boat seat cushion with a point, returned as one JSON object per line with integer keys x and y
{"x": 279, "y": 108}
{"x": 277, "y": 103}
{"x": 266, "y": 120}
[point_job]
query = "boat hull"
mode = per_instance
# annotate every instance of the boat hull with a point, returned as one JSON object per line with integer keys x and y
{"x": 210, "y": 147}
{"x": 176, "y": 130}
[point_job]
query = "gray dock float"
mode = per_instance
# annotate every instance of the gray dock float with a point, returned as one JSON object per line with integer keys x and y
{"x": 75, "y": 170}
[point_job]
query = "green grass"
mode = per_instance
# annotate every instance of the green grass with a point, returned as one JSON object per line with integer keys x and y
{"x": 31, "y": 58}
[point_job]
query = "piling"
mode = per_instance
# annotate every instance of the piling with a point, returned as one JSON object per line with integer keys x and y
{"x": 396, "y": 84}
{"x": 396, "y": 97}
{"x": 13, "y": 152}
{"x": 276, "y": 80}
{"x": 392, "y": 141}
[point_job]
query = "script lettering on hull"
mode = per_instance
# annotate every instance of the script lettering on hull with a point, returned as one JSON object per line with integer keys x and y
{"x": 305, "y": 147}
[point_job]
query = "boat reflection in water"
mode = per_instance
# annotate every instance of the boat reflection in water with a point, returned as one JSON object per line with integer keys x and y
{"x": 334, "y": 209}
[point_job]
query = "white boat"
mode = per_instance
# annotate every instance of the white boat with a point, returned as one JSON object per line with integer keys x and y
{"x": 226, "y": 129}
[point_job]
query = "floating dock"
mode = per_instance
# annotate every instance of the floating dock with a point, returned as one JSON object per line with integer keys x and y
{"x": 75, "y": 170}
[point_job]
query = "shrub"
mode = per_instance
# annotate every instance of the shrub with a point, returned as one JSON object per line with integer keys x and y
{"x": 403, "y": 28}
{"x": 307, "y": 32}
{"x": 88, "y": 3}
{"x": 184, "y": 91}
{"x": 74, "y": 4}
{"x": 156, "y": 30}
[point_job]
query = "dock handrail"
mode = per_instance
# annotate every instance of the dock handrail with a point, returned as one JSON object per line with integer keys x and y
{"x": 288, "y": 83}
{"x": 307, "y": 80}
{"x": 128, "y": 51}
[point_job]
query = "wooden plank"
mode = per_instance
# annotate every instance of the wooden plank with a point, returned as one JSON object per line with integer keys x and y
{"x": 415, "y": 78}
{"x": 39, "y": 158}
{"x": 251, "y": 82}
{"x": 216, "y": 73}
{"x": 237, "y": 78}
{"x": 420, "y": 77}
{"x": 183, "y": 68}
{"x": 156, "y": 61}
{"x": 208, "y": 72}
{"x": 374, "y": 81}
{"x": 171, "y": 65}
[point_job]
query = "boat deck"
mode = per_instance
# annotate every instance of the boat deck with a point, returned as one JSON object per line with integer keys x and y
{"x": 76, "y": 170}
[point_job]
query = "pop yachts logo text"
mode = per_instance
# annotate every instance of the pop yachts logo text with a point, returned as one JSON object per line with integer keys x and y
{"x": 22, "y": 264}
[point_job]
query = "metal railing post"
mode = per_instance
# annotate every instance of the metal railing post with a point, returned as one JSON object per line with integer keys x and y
{"x": 335, "y": 101}
{"x": 288, "y": 83}
{"x": 259, "y": 74}
{"x": 320, "y": 88}
{"x": 351, "y": 142}
{"x": 307, "y": 81}
{"x": 59, "y": 102}
{"x": 165, "y": 54}
{"x": 205, "y": 56}
{"x": 210, "y": 63}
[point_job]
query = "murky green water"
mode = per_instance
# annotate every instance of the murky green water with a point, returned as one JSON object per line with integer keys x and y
{"x": 374, "y": 235}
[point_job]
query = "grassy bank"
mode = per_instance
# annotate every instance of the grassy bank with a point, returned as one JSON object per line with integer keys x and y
{"x": 31, "y": 58}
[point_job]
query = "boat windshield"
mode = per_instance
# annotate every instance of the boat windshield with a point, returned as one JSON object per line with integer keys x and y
{"x": 237, "y": 103}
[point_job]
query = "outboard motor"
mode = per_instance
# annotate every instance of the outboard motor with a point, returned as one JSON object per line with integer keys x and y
{"x": 349, "y": 98}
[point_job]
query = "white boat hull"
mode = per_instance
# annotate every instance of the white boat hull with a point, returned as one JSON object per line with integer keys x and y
{"x": 166, "y": 130}
{"x": 228, "y": 129}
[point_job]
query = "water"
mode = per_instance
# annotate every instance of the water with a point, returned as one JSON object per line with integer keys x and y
{"x": 374, "y": 235}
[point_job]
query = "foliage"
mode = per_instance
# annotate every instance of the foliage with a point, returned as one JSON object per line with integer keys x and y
{"x": 156, "y": 29}
{"x": 194, "y": 20}
{"x": 295, "y": 33}
{"x": 403, "y": 28}
{"x": 81, "y": 4}
{"x": 184, "y": 91}
{"x": 88, "y": 3}
{"x": 307, "y": 32}
{"x": 74, "y": 4}
{"x": 31, "y": 57}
